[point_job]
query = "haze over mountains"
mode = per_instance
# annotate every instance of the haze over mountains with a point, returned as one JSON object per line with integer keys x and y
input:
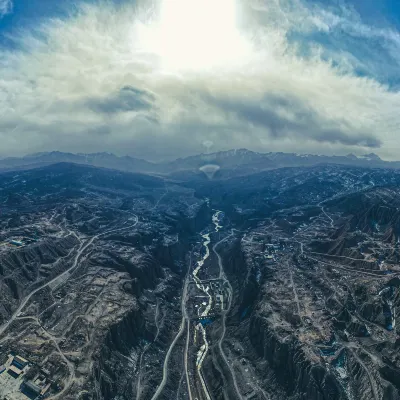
{"x": 242, "y": 160}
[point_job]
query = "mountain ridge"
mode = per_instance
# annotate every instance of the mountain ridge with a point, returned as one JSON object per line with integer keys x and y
{"x": 242, "y": 160}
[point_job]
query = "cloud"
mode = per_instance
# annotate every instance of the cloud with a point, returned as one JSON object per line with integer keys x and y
{"x": 288, "y": 117}
{"x": 5, "y": 7}
{"x": 97, "y": 73}
{"x": 100, "y": 130}
{"x": 341, "y": 36}
{"x": 126, "y": 99}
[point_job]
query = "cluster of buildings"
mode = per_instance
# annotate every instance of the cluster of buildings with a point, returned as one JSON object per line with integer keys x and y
{"x": 271, "y": 250}
{"x": 13, "y": 378}
{"x": 219, "y": 294}
{"x": 38, "y": 386}
{"x": 17, "y": 366}
{"x": 202, "y": 307}
{"x": 20, "y": 241}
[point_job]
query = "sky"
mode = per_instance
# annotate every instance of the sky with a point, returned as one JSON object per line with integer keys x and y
{"x": 160, "y": 79}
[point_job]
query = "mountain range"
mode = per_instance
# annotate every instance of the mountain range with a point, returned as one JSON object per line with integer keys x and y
{"x": 241, "y": 161}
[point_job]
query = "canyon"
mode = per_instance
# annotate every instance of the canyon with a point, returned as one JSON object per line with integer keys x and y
{"x": 247, "y": 283}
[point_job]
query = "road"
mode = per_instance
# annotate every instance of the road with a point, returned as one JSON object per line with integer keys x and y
{"x": 70, "y": 366}
{"x": 26, "y": 300}
{"x": 221, "y": 267}
{"x": 224, "y": 313}
{"x": 178, "y": 335}
{"x": 139, "y": 385}
{"x": 348, "y": 269}
{"x": 185, "y": 324}
{"x": 330, "y": 219}
{"x": 81, "y": 249}
{"x": 371, "y": 379}
{"x": 296, "y": 297}
{"x": 186, "y": 360}
{"x": 66, "y": 274}
{"x": 349, "y": 258}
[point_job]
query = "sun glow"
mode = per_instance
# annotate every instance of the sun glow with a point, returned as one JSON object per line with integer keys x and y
{"x": 195, "y": 35}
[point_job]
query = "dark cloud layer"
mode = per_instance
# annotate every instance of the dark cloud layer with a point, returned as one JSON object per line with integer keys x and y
{"x": 127, "y": 99}
{"x": 289, "y": 117}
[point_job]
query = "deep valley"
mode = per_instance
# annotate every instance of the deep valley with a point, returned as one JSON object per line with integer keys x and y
{"x": 264, "y": 284}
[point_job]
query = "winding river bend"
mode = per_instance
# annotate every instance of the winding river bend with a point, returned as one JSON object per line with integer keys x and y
{"x": 205, "y": 307}
{"x": 207, "y": 240}
{"x": 203, "y": 310}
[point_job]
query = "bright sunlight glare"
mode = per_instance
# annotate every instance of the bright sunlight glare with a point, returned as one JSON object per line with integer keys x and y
{"x": 195, "y": 35}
